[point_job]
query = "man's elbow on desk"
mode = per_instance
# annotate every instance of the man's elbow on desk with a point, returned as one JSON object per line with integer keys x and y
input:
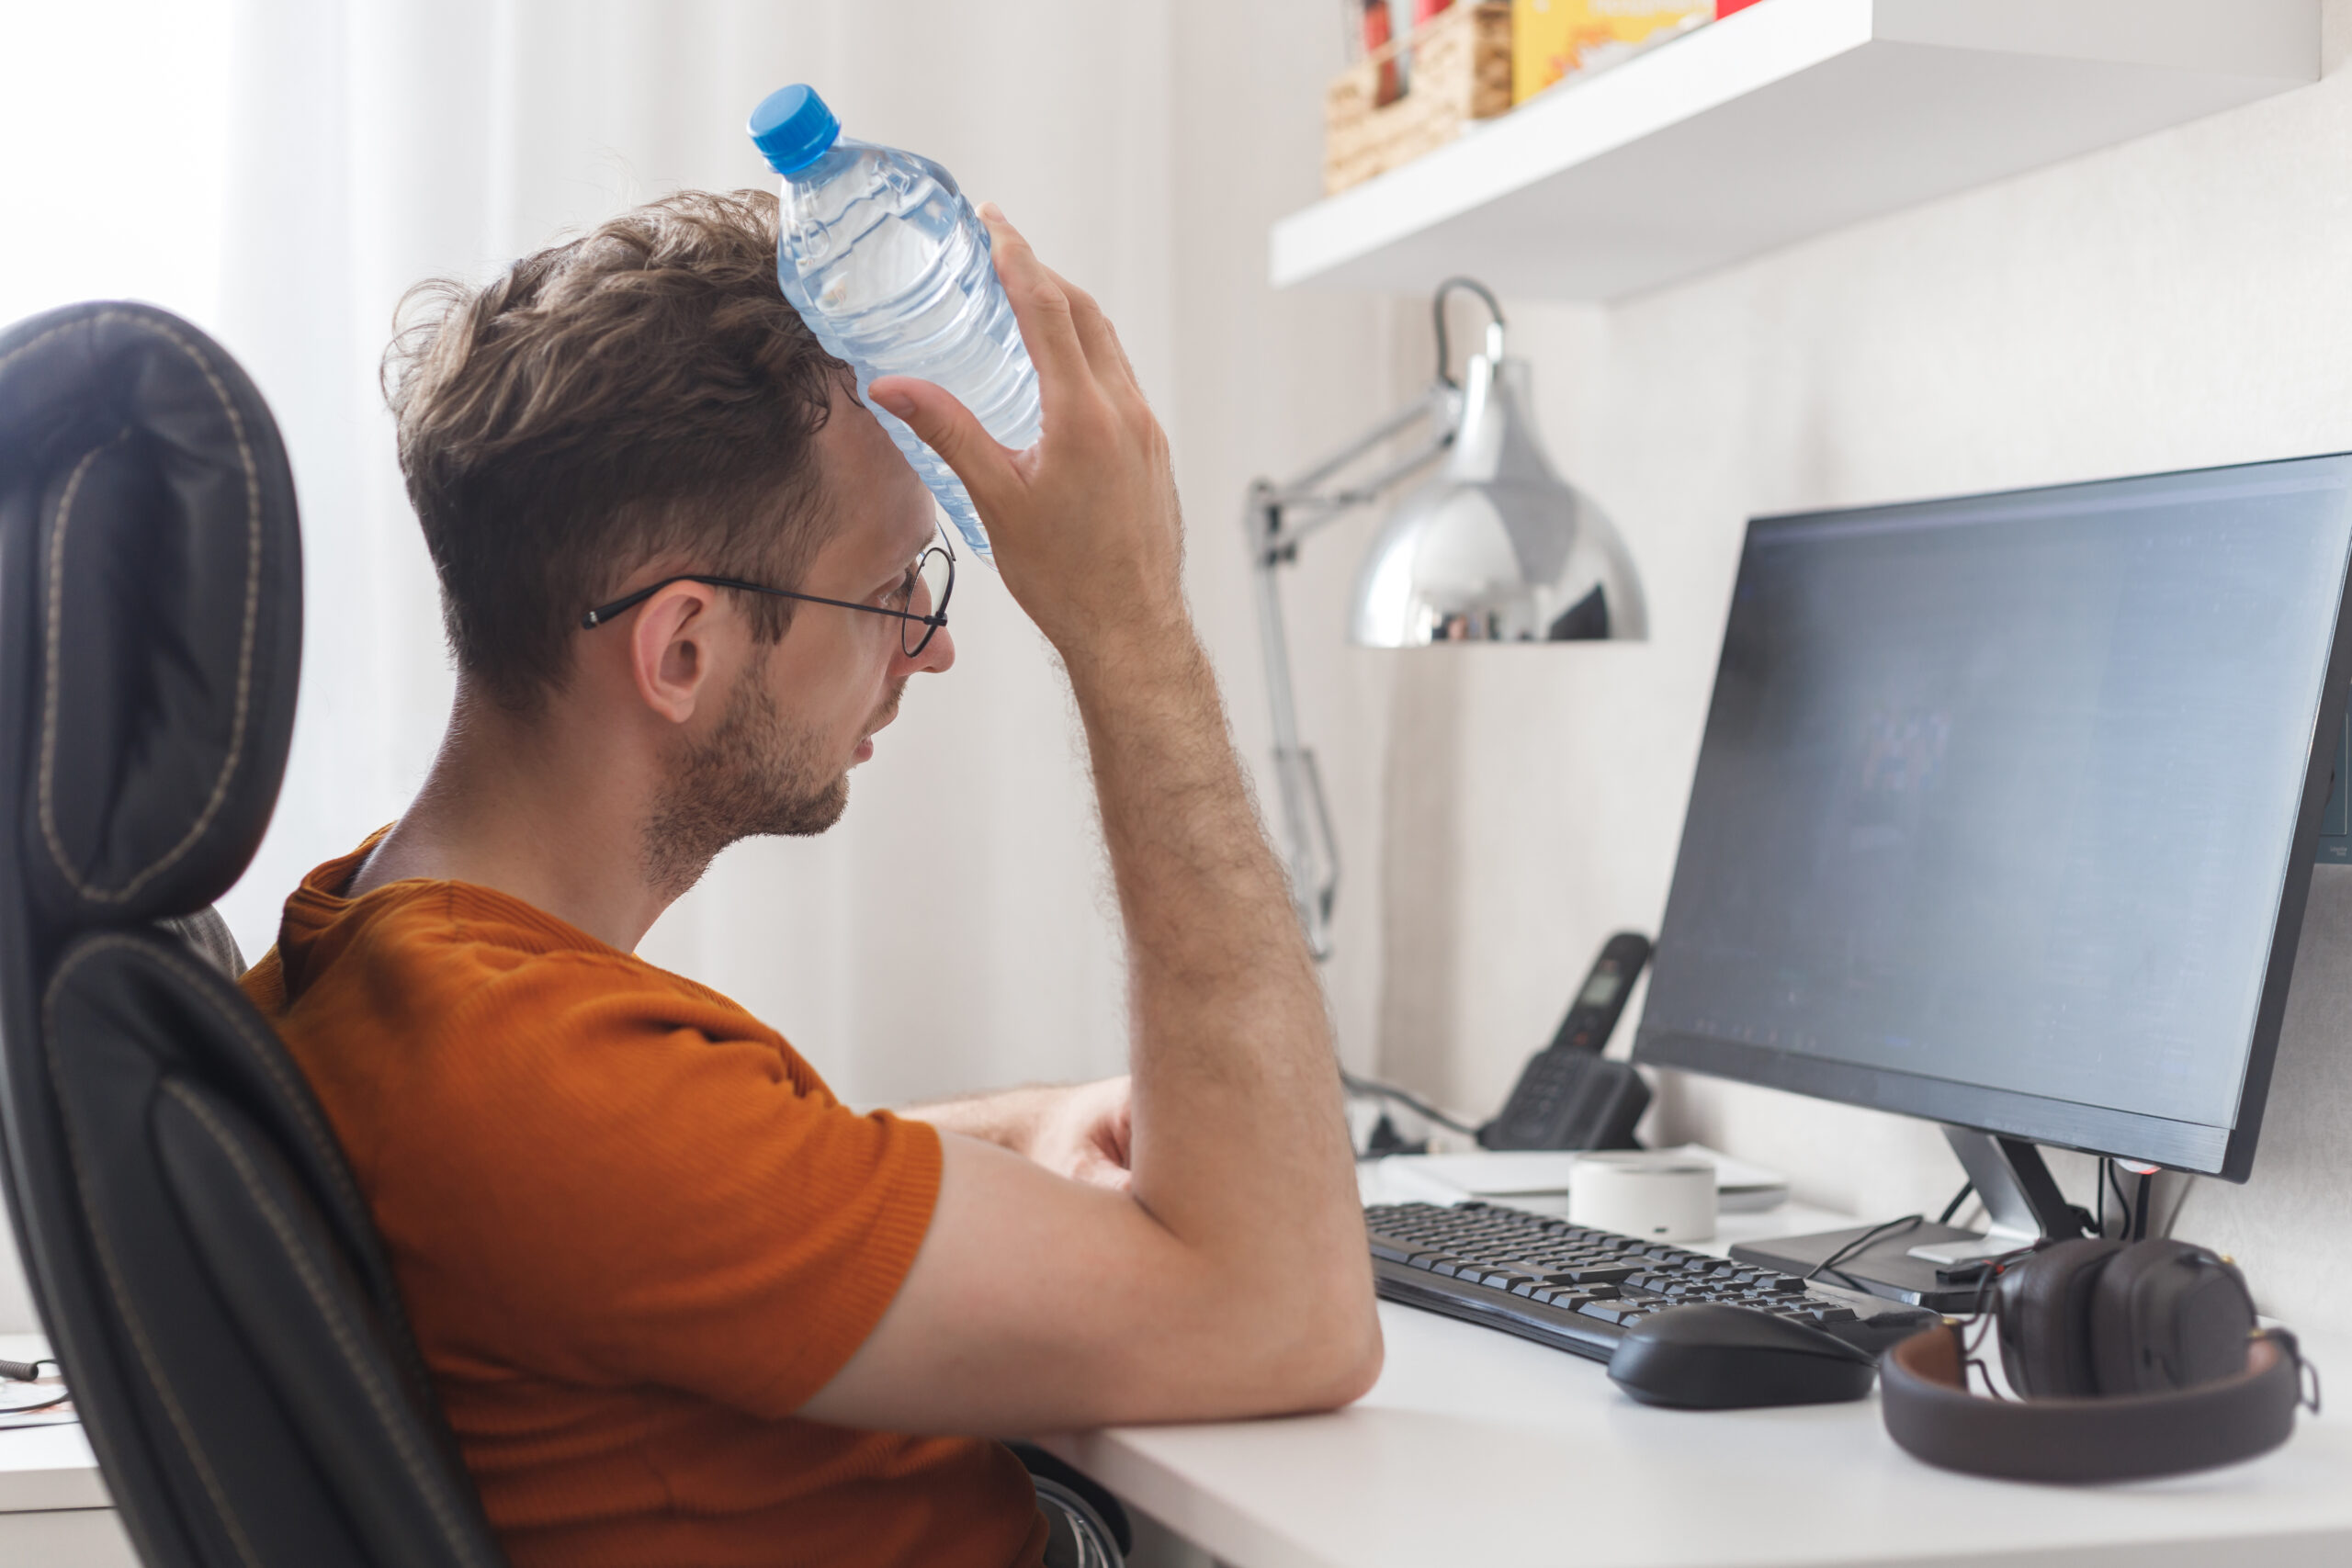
{"x": 1345, "y": 1360}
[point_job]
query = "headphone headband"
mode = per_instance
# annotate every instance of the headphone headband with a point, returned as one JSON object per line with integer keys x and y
{"x": 1929, "y": 1412}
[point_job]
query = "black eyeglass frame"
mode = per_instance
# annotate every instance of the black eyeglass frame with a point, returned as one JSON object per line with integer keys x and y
{"x": 930, "y": 623}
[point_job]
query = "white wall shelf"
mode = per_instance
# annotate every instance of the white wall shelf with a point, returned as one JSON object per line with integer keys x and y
{"x": 1788, "y": 119}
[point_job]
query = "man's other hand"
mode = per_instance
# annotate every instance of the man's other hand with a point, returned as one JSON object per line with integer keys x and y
{"x": 1085, "y": 1133}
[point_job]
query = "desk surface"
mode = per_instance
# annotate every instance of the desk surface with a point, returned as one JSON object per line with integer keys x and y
{"x": 45, "y": 1467}
{"x": 1476, "y": 1448}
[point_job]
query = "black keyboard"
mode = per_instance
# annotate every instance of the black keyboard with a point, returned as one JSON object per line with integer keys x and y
{"x": 1578, "y": 1289}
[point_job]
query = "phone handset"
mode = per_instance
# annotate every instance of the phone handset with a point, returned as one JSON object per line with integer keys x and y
{"x": 1567, "y": 1096}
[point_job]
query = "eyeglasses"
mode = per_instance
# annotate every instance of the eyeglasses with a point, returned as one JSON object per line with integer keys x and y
{"x": 919, "y": 602}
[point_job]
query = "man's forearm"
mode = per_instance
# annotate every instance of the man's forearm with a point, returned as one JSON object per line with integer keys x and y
{"x": 1240, "y": 1141}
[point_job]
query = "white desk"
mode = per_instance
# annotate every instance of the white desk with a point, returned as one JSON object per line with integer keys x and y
{"x": 54, "y": 1510}
{"x": 1476, "y": 1448}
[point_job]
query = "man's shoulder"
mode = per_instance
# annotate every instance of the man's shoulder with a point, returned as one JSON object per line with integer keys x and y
{"x": 417, "y": 959}
{"x": 458, "y": 1026}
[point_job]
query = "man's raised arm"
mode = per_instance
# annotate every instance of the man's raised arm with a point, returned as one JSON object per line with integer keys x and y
{"x": 1232, "y": 1277}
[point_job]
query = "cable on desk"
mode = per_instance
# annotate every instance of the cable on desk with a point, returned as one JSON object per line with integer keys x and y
{"x": 31, "y": 1372}
{"x": 1370, "y": 1088}
{"x": 1908, "y": 1222}
{"x": 1957, "y": 1198}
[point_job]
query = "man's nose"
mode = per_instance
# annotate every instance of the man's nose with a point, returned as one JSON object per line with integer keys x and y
{"x": 937, "y": 655}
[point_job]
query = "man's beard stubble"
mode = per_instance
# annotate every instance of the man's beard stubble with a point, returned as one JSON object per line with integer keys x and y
{"x": 757, "y": 775}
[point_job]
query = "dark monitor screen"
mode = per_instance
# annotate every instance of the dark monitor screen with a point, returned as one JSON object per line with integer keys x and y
{"x": 2005, "y": 806}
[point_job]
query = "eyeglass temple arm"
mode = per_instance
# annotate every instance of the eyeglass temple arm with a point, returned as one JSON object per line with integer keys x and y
{"x": 603, "y": 613}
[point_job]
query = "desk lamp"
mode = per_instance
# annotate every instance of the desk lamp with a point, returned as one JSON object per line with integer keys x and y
{"x": 1495, "y": 546}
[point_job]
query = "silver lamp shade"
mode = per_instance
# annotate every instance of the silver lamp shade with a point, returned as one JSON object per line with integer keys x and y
{"x": 1497, "y": 546}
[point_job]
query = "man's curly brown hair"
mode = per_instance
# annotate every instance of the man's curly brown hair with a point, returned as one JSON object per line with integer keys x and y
{"x": 643, "y": 392}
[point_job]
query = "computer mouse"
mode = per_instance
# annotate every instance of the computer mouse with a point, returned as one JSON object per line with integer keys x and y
{"x": 1708, "y": 1356}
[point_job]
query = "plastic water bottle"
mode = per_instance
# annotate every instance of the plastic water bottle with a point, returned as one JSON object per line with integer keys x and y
{"x": 888, "y": 264}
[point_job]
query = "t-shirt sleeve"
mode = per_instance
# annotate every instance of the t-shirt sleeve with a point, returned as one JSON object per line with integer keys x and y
{"x": 629, "y": 1185}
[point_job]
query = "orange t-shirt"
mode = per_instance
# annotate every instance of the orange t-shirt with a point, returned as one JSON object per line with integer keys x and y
{"x": 634, "y": 1231}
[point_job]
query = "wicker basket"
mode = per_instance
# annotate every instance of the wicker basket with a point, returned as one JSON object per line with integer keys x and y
{"x": 1459, "y": 71}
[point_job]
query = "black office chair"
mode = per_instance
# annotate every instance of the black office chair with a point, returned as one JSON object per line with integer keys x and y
{"x": 203, "y": 1263}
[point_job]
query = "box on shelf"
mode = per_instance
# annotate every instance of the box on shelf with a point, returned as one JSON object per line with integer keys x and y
{"x": 1551, "y": 40}
{"x": 1458, "y": 70}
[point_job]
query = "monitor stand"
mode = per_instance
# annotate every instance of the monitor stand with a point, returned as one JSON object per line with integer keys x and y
{"x": 1938, "y": 1266}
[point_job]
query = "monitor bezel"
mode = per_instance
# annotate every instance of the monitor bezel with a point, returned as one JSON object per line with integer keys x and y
{"x": 2225, "y": 1152}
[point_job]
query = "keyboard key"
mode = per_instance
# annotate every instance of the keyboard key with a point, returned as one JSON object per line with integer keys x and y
{"x": 1608, "y": 1311}
{"x": 1607, "y": 1274}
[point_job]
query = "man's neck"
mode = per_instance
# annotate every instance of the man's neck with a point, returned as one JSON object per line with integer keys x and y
{"x": 524, "y": 805}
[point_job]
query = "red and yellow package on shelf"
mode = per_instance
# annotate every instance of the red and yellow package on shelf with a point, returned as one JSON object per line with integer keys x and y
{"x": 1555, "y": 38}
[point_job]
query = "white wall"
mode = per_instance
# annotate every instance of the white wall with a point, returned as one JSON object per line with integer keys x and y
{"x": 2182, "y": 301}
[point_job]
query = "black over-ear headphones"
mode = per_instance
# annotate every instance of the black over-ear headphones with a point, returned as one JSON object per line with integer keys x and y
{"x": 2131, "y": 1360}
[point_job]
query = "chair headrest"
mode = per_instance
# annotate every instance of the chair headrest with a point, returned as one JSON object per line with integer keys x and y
{"x": 151, "y": 611}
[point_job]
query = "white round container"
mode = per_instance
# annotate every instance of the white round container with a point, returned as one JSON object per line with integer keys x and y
{"x": 1658, "y": 1197}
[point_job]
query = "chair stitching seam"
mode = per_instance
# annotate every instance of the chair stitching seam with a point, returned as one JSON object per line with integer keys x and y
{"x": 328, "y": 1309}
{"x": 246, "y": 635}
{"x": 59, "y": 330}
{"x": 115, "y": 1283}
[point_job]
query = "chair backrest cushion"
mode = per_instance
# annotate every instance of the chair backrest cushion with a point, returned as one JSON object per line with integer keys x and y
{"x": 153, "y": 506}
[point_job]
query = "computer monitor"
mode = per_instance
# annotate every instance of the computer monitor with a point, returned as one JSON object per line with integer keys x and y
{"x": 2005, "y": 814}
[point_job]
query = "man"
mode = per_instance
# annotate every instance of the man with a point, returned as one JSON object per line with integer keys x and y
{"x": 679, "y": 1305}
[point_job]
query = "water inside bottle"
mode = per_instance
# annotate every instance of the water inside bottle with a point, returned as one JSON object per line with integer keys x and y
{"x": 886, "y": 261}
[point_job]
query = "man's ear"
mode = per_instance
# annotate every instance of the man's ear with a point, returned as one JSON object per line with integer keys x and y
{"x": 670, "y": 651}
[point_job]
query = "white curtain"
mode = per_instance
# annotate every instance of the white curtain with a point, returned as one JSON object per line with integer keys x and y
{"x": 282, "y": 170}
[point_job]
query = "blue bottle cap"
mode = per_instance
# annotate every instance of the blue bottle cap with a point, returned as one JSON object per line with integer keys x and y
{"x": 792, "y": 128}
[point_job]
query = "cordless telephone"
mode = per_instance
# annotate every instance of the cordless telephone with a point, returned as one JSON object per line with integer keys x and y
{"x": 1568, "y": 1097}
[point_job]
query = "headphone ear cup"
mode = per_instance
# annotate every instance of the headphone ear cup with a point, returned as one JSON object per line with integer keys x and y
{"x": 2167, "y": 1316}
{"x": 2044, "y": 1305}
